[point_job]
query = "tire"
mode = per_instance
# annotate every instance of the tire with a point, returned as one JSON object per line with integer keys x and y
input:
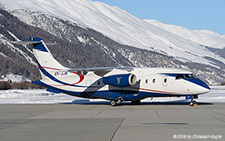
{"x": 195, "y": 102}
{"x": 113, "y": 103}
{"x": 192, "y": 103}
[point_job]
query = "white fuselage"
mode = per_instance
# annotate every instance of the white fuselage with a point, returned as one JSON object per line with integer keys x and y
{"x": 151, "y": 82}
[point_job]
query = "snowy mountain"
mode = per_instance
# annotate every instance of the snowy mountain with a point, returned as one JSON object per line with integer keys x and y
{"x": 181, "y": 43}
{"x": 203, "y": 37}
{"x": 77, "y": 47}
{"x": 77, "y": 24}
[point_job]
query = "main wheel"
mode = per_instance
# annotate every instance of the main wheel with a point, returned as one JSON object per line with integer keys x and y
{"x": 113, "y": 102}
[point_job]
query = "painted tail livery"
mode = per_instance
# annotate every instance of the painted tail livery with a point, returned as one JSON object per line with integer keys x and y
{"x": 114, "y": 83}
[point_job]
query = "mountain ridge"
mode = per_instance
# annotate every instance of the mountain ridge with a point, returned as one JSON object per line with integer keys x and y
{"x": 194, "y": 35}
{"x": 73, "y": 52}
{"x": 122, "y": 27}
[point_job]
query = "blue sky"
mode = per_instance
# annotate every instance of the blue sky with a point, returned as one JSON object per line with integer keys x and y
{"x": 191, "y": 14}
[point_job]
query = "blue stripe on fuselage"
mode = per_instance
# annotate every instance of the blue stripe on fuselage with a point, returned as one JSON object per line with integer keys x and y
{"x": 108, "y": 95}
{"x": 198, "y": 82}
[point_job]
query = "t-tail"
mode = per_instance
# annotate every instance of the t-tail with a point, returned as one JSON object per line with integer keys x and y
{"x": 49, "y": 67}
{"x": 47, "y": 64}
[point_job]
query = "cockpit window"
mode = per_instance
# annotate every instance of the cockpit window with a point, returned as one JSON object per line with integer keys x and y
{"x": 190, "y": 76}
{"x": 187, "y": 76}
{"x": 179, "y": 76}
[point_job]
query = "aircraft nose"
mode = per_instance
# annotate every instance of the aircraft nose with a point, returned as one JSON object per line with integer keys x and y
{"x": 205, "y": 87}
{"x": 206, "y": 90}
{"x": 200, "y": 86}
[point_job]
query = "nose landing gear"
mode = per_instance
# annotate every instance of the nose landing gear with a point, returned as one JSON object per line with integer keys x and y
{"x": 192, "y": 102}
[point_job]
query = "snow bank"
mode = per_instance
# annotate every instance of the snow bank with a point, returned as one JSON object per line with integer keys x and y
{"x": 14, "y": 78}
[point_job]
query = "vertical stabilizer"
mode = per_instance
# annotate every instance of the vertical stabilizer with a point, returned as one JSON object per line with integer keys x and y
{"x": 46, "y": 62}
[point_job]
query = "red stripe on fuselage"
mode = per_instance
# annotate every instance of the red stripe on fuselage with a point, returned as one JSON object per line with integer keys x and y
{"x": 157, "y": 91}
{"x": 48, "y": 68}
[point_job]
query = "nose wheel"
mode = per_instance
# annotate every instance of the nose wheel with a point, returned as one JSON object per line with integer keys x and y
{"x": 193, "y": 103}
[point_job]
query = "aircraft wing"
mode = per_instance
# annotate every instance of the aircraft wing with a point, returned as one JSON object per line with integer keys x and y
{"x": 98, "y": 70}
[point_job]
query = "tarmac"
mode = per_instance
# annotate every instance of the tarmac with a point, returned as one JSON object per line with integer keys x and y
{"x": 101, "y": 122}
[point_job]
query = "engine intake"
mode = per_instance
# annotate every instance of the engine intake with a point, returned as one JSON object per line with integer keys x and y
{"x": 120, "y": 80}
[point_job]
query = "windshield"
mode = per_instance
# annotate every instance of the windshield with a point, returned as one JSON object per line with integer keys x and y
{"x": 190, "y": 76}
{"x": 180, "y": 76}
{"x": 187, "y": 76}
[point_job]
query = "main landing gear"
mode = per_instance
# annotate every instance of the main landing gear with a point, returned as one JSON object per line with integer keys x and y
{"x": 192, "y": 102}
{"x": 116, "y": 102}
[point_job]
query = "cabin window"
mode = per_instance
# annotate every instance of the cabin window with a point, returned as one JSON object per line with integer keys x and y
{"x": 146, "y": 81}
{"x": 98, "y": 82}
{"x": 153, "y": 81}
{"x": 179, "y": 76}
{"x": 139, "y": 81}
{"x": 165, "y": 80}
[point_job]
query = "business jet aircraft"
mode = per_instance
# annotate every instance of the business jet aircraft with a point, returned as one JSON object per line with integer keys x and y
{"x": 112, "y": 83}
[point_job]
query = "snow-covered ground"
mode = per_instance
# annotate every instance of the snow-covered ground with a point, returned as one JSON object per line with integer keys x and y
{"x": 40, "y": 96}
{"x": 14, "y": 78}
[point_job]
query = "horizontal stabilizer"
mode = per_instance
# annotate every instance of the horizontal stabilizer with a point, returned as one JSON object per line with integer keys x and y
{"x": 26, "y": 42}
{"x": 31, "y": 42}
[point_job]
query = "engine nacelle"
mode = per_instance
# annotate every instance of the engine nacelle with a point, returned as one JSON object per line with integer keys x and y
{"x": 120, "y": 80}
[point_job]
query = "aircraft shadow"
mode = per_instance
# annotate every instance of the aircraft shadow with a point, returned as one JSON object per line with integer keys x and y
{"x": 179, "y": 102}
{"x": 174, "y": 103}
